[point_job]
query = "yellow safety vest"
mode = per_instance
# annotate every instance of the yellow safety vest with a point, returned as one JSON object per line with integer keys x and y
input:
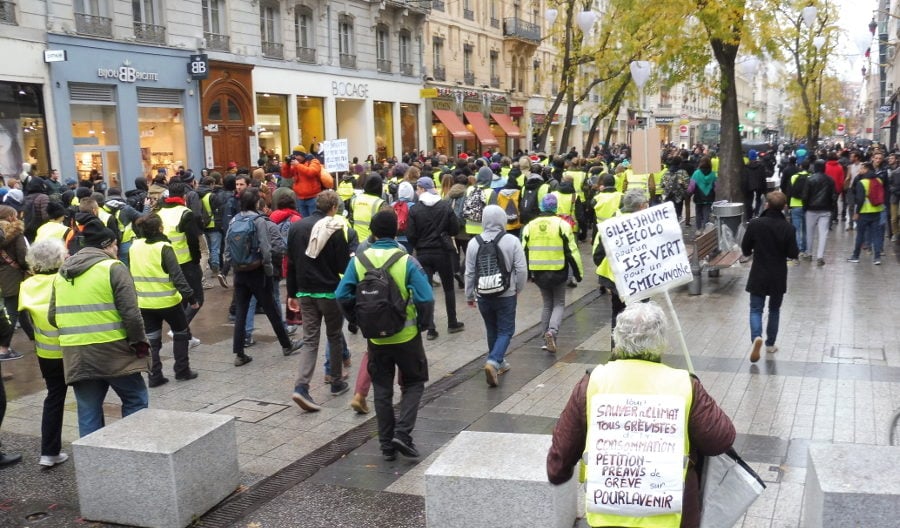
{"x": 543, "y": 242}
{"x": 796, "y": 201}
{"x": 607, "y": 205}
{"x": 565, "y": 203}
{"x": 34, "y": 297}
{"x": 155, "y": 289}
{"x": 620, "y": 179}
{"x": 364, "y": 207}
{"x": 171, "y": 217}
{"x": 127, "y": 231}
{"x": 542, "y": 191}
{"x": 207, "y": 206}
{"x": 472, "y": 227}
{"x": 618, "y": 393}
{"x": 714, "y": 161}
{"x": 657, "y": 180}
{"x": 86, "y": 309}
{"x": 398, "y": 273}
{"x": 345, "y": 190}
{"x": 867, "y": 206}
{"x": 577, "y": 181}
{"x": 103, "y": 215}
{"x": 639, "y": 181}
{"x": 504, "y": 172}
{"x": 50, "y": 230}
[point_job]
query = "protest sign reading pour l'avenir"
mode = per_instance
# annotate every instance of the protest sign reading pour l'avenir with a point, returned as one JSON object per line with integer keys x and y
{"x": 646, "y": 251}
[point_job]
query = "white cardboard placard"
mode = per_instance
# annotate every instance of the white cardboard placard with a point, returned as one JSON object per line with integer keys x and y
{"x": 337, "y": 156}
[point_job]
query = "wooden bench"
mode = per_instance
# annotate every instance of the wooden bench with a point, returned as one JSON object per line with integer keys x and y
{"x": 707, "y": 255}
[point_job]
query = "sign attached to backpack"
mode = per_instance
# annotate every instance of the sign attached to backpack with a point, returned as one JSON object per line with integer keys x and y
{"x": 646, "y": 251}
{"x": 337, "y": 155}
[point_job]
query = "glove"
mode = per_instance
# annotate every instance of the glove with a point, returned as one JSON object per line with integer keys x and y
{"x": 141, "y": 349}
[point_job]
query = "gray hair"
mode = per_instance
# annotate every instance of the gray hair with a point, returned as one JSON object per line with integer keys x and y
{"x": 633, "y": 200}
{"x": 640, "y": 332}
{"x": 46, "y": 256}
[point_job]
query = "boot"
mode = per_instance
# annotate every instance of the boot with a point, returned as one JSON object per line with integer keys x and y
{"x": 358, "y": 404}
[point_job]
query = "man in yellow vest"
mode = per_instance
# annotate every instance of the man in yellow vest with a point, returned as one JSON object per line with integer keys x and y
{"x": 604, "y": 410}
{"x": 364, "y": 206}
{"x": 482, "y": 185}
{"x": 95, "y": 306}
{"x": 644, "y": 182}
{"x": 795, "y": 203}
{"x": 402, "y": 350}
{"x": 867, "y": 213}
{"x": 183, "y": 231}
{"x": 552, "y": 254}
{"x": 55, "y": 226}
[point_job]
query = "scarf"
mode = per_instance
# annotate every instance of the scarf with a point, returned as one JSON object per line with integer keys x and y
{"x": 175, "y": 200}
{"x": 704, "y": 181}
{"x": 321, "y": 232}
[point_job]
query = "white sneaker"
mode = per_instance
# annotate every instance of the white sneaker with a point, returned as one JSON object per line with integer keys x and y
{"x": 50, "y": 461}
{"x": 194, "y": 343}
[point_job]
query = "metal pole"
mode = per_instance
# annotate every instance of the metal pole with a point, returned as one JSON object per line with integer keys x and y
{"x": 684, "y": 348}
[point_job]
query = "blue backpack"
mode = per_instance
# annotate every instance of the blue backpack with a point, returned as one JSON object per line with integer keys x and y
{"x": 243, "y": 243}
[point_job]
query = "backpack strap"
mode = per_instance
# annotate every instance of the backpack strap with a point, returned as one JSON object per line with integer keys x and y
{"x": 367, "y": 264}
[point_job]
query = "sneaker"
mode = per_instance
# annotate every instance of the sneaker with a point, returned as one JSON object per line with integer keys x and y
{"x": 854, "y": 260}
{"x": 352, "y": 328}
{"x": 295, "y": 346}
{"x": 358, "y": 404}
{"x": 504, "y": 368}
{"x": 344, "y": 376}
{"x": 407, "y": 448}
{"x": 290, "y": 329}
{"x": 194, "y": 343}
{"x": 339, "y": 387}
{"x": 302, "y": 398}
{"x": 572, "y": 284}
{"x": 431, "y": 335}
{"x": 820, "y": 262}
{"x": 242, "y": 359}
{"x": 191, "y": 374}
{"x": 50, "y": 461}
{"x": 223, "y": 280}
{"x": 454, "y": 328}
{"x": 460, "y": 283}
{"x": 389, "y": 455}
{"x": 771, "y": 349}
{"x": 249, "y": 342}
{"x": 10, "y": 355}
{"x": 206, "y": 284}
{"x": 877, "y": 262}
{"x": 156, "y": 382}
{"x": 490, "y": 374}
{"x": 549, "y": 343}
{"x": 754, "y": 350}
{"x": 7, "y": 459}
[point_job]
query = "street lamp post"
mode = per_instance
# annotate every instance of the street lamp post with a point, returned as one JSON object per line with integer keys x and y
{"x": 640, "y": 73}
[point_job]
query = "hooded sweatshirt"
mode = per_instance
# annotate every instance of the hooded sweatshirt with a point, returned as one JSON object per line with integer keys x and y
{"x": 429, "y": 222}
{"x": 494, "y": 222}
{"x": 115, "y": 358}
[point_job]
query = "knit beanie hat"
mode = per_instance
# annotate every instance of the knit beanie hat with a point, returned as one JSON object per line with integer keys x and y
{"x": 384, "y": 224}
{"x": 98, "y": 236}
{"x": 548, "y": 203}
{"x": 55, "y": 210}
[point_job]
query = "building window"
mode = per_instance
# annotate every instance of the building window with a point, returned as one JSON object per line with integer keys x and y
{"x": 272, "y": 123}
{"x": 8, "y": 12}
{"x": 468, "y": 74}
{"x": 405, "y": 48}
{"x": 148, "y": 21}
{"x": 23, "y": 130}
{"x": 92, "y": 18}
{"x": 310, "y": 119}
{"x": 437, "y": 59}
{"x": 468, "y": 12}
{"x": 214, "y": 25}
{"x": 495, "y": 69}
{"x": 495, "y": 14}
{"x": 384, "y": 129}
{"x": 409, "y": 127}
{"x": 383, "y": 48}
{"x": 304, "y": 30}
{"x": 269, "y": 29}
{"x": 537, "y": 76}
{"x": 346, "y": 44}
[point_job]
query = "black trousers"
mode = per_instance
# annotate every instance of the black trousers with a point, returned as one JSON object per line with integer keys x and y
{"x": 181, "y": 336}
{"x": 255, "y": 283}
{"x": 194, "y": 276}
{"x": 410, "y": 358}
{"x": 441, "y": 262}
{"x": 52, "y": 419}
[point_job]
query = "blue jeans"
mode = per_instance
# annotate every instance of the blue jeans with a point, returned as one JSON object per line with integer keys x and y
{"x": 757, "y": 303}
{"x": 345, "y": 353}
{"x": 251, "y": 310}
{"x": 123, "y": 251}
{"x": 869, "y": 229}
{"x": 798, "y": 220}
{"x": 306, "y": 207}
{"x": 499, "y": 314}
{"x": 701, "y": 215}
{"x": 89, "y": 395}
{"x": 214, "y": 241}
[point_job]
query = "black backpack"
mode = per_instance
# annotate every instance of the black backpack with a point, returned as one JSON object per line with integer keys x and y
{"x": 380, "y": 308}
{"x": 529, "y": 207}
{"x": 491, "y": 273}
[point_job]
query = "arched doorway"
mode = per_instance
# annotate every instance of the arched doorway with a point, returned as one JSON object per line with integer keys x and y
{"x": 228, "y": 115}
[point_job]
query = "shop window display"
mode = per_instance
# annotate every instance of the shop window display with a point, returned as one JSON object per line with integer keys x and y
{"x": 162, "y": 139}
{"x": 384, "y": 130}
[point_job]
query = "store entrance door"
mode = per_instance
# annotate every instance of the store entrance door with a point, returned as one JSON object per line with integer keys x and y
{"x": 104, "y": 160}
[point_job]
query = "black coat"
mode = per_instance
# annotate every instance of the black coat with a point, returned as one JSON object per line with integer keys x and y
{"x": 428, "y": 223}
{"x": 819, "y": 193}
{"x": 771, "y": 240}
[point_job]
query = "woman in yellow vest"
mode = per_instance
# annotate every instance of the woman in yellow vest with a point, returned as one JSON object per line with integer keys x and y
{"x": 160, "y": 286}
{"x": 55, "y": 226}
{"x": 553, "y": 256}
{"x": 44, "y": 259}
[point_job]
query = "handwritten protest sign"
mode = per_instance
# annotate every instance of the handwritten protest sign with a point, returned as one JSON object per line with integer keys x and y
{"x": 646, "y": 252}
{"x": 337, "y": 157}
{"x": 635, "y": 454}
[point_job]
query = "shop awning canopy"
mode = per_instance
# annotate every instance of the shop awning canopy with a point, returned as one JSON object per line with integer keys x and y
{"x": 482, "y": 129}
{"x": 456, "y": 127}
{"x": 887, "y": 122}
{"x": 507, "y": 125}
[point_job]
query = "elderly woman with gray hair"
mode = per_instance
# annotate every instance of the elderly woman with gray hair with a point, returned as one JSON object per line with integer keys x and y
{"x": 645, "y": 419}
{"x": 44, "y": 259}
{"x": 633, "y": 200}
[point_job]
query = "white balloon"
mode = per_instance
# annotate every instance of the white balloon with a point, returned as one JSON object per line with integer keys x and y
{"x": 585, "y": 20}
{"x": 818, "y": 42}
{"x": 809, "y": 15}
{"x": 640, "y": 72}
{"x": 550, "y": 16}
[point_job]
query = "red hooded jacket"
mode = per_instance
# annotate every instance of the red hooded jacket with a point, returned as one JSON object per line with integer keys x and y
{"x": 307, "y": 183}
{"x": 835, "y": 171}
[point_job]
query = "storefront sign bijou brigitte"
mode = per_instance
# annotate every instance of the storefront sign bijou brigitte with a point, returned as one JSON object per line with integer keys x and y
{"x": 126, "y": 73}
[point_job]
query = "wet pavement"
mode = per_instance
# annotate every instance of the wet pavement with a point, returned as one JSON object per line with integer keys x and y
{"x": 835, "y": 378}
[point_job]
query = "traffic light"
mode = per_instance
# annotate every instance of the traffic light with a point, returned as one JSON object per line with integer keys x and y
{"x": 751, "y": 114}
{"x": 740, "y": 128}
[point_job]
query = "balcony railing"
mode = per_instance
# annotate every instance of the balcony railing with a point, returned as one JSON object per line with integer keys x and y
{"x": 469, "y": 78}
{"x": 406, "y": 69}
{"x": 348, "y": 61}
{"x": 306, "y": 55}
{"x": 440, "y": 73}
{"x": 518, "y": 28}
{"x": 149, "y": 33}
{"x": 495, "y": 22}
{"x": 437, "y": 5}
{"x": 217, "y": 42}
{"x": 384, "y": 65}
{"x": 8, "y": 13}
{"x": 273, "y": 50}
{"x": 93, "y": 25}
{"x": 468, "y": 14}
{"x": 495, "y": 82}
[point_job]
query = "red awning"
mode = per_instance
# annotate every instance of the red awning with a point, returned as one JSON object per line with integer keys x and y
{"x": 456, "y": 127}
{"x": 482, "y": 129}
{"x": 507, "y": 125}
{"x": 887, "y": 122}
